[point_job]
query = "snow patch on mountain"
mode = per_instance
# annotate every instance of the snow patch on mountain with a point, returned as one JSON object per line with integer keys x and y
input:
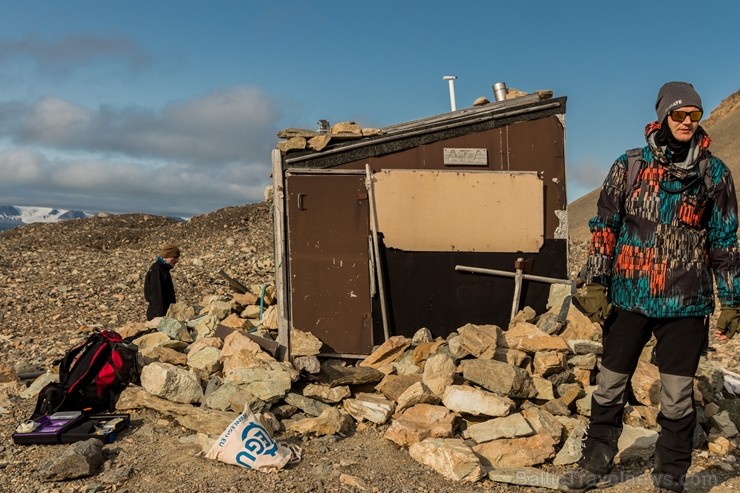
{"x": 18, "y": 215}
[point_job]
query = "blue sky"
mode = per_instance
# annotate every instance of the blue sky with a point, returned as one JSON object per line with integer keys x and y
{"x": 171, "y": 107}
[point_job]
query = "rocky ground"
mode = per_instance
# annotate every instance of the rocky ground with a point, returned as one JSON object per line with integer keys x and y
{"x": 58, "y": 281}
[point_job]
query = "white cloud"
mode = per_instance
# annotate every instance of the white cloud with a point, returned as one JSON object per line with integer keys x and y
{"x": 584, "y": 176}
{"x": 190, "y": 157}
{"x": 228, "y": 125}
{"x": 181, "y": 189}
{"x": 101, "y": 176}
{"x": 231, "y": 107}
{"x": 20, "y": 166}
{"x": 56, "y": 121}
{"x": 74, "y": 51}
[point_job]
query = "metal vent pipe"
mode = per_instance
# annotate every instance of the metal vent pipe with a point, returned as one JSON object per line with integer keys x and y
{"x": 499, "y": 91}
{"x": 451, "y": 81}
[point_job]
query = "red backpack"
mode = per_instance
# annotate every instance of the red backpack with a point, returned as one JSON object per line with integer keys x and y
{"x": 91, "y": 376}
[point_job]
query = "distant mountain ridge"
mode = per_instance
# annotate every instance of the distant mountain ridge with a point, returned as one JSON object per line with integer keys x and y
{"x": 12, "y": 216}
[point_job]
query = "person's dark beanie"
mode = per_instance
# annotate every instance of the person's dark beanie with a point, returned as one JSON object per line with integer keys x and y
{"x": 676, "y": 95}
{"x": 169, "y": 251}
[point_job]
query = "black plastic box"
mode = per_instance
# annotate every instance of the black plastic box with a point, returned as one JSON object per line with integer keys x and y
{"x": 102, "y": 426}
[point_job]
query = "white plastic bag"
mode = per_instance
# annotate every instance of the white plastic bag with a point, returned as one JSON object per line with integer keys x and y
{"x": 248, "y": 444}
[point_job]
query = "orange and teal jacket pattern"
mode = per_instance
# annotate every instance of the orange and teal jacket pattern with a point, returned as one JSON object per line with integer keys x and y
{"x": 660, "y": 246}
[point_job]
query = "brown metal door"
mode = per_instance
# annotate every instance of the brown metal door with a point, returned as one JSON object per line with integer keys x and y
{"x": 328, "y": 231}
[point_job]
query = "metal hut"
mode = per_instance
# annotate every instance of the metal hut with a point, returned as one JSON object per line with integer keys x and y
{"x": 438, "y": 222}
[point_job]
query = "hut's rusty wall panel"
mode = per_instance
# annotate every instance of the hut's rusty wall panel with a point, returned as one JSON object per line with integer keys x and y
{"x": 328, "y": 231}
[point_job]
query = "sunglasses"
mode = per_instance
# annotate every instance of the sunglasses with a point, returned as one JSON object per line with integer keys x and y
{"x": 679, "y": 116}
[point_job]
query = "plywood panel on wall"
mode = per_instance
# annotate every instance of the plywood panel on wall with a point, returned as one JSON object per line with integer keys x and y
{"x": 466, "y": 211}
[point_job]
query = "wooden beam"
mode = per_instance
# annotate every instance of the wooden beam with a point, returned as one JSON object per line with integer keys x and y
{"x": 281, "y": 267}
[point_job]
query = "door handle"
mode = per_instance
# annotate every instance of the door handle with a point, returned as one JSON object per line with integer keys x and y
{"x": 301, "y": 196}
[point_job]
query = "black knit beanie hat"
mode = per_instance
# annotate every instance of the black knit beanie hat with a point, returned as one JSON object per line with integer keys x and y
{"x": 676, "y": 95}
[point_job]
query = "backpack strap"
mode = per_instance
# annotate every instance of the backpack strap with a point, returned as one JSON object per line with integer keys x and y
{"x": 66, "y": 361}
{"x": 703, "y": 165}
{"x": 635, "y": 162}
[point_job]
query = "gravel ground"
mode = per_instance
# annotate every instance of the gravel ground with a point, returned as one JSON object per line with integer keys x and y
{"x": 59, "y": 280}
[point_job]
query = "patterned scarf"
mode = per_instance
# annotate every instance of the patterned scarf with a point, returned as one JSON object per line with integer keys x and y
{"x": 663, "y": 154}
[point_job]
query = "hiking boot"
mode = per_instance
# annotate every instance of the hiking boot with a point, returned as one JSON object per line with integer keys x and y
{"x": 581, "y": 479}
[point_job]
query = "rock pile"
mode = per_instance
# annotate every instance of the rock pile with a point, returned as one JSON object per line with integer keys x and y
{"x": 299, "y": 139}
{"x": 485, "y": 402}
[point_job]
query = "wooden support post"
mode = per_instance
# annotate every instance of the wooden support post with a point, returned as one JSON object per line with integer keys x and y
{"x": 376, "y": 248}
{"x": 281, "y": 268}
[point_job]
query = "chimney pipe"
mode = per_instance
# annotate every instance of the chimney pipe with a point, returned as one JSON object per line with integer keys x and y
{"x": 499, "y": 91}
{"x": 451, "y": 80}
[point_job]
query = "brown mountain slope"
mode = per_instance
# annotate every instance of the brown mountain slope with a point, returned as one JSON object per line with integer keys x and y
{"x": 723, "y": 125}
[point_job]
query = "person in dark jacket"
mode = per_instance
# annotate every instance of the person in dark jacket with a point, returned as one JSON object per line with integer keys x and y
{"x": 658, "y": 247}
{"x": 159, "y": 291}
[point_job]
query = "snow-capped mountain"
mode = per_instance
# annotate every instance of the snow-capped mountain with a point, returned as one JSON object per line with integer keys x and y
{"x": 18, "y": 215}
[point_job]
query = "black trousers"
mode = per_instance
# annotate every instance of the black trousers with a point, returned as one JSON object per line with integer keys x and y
{"x": 680, "y": 343}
